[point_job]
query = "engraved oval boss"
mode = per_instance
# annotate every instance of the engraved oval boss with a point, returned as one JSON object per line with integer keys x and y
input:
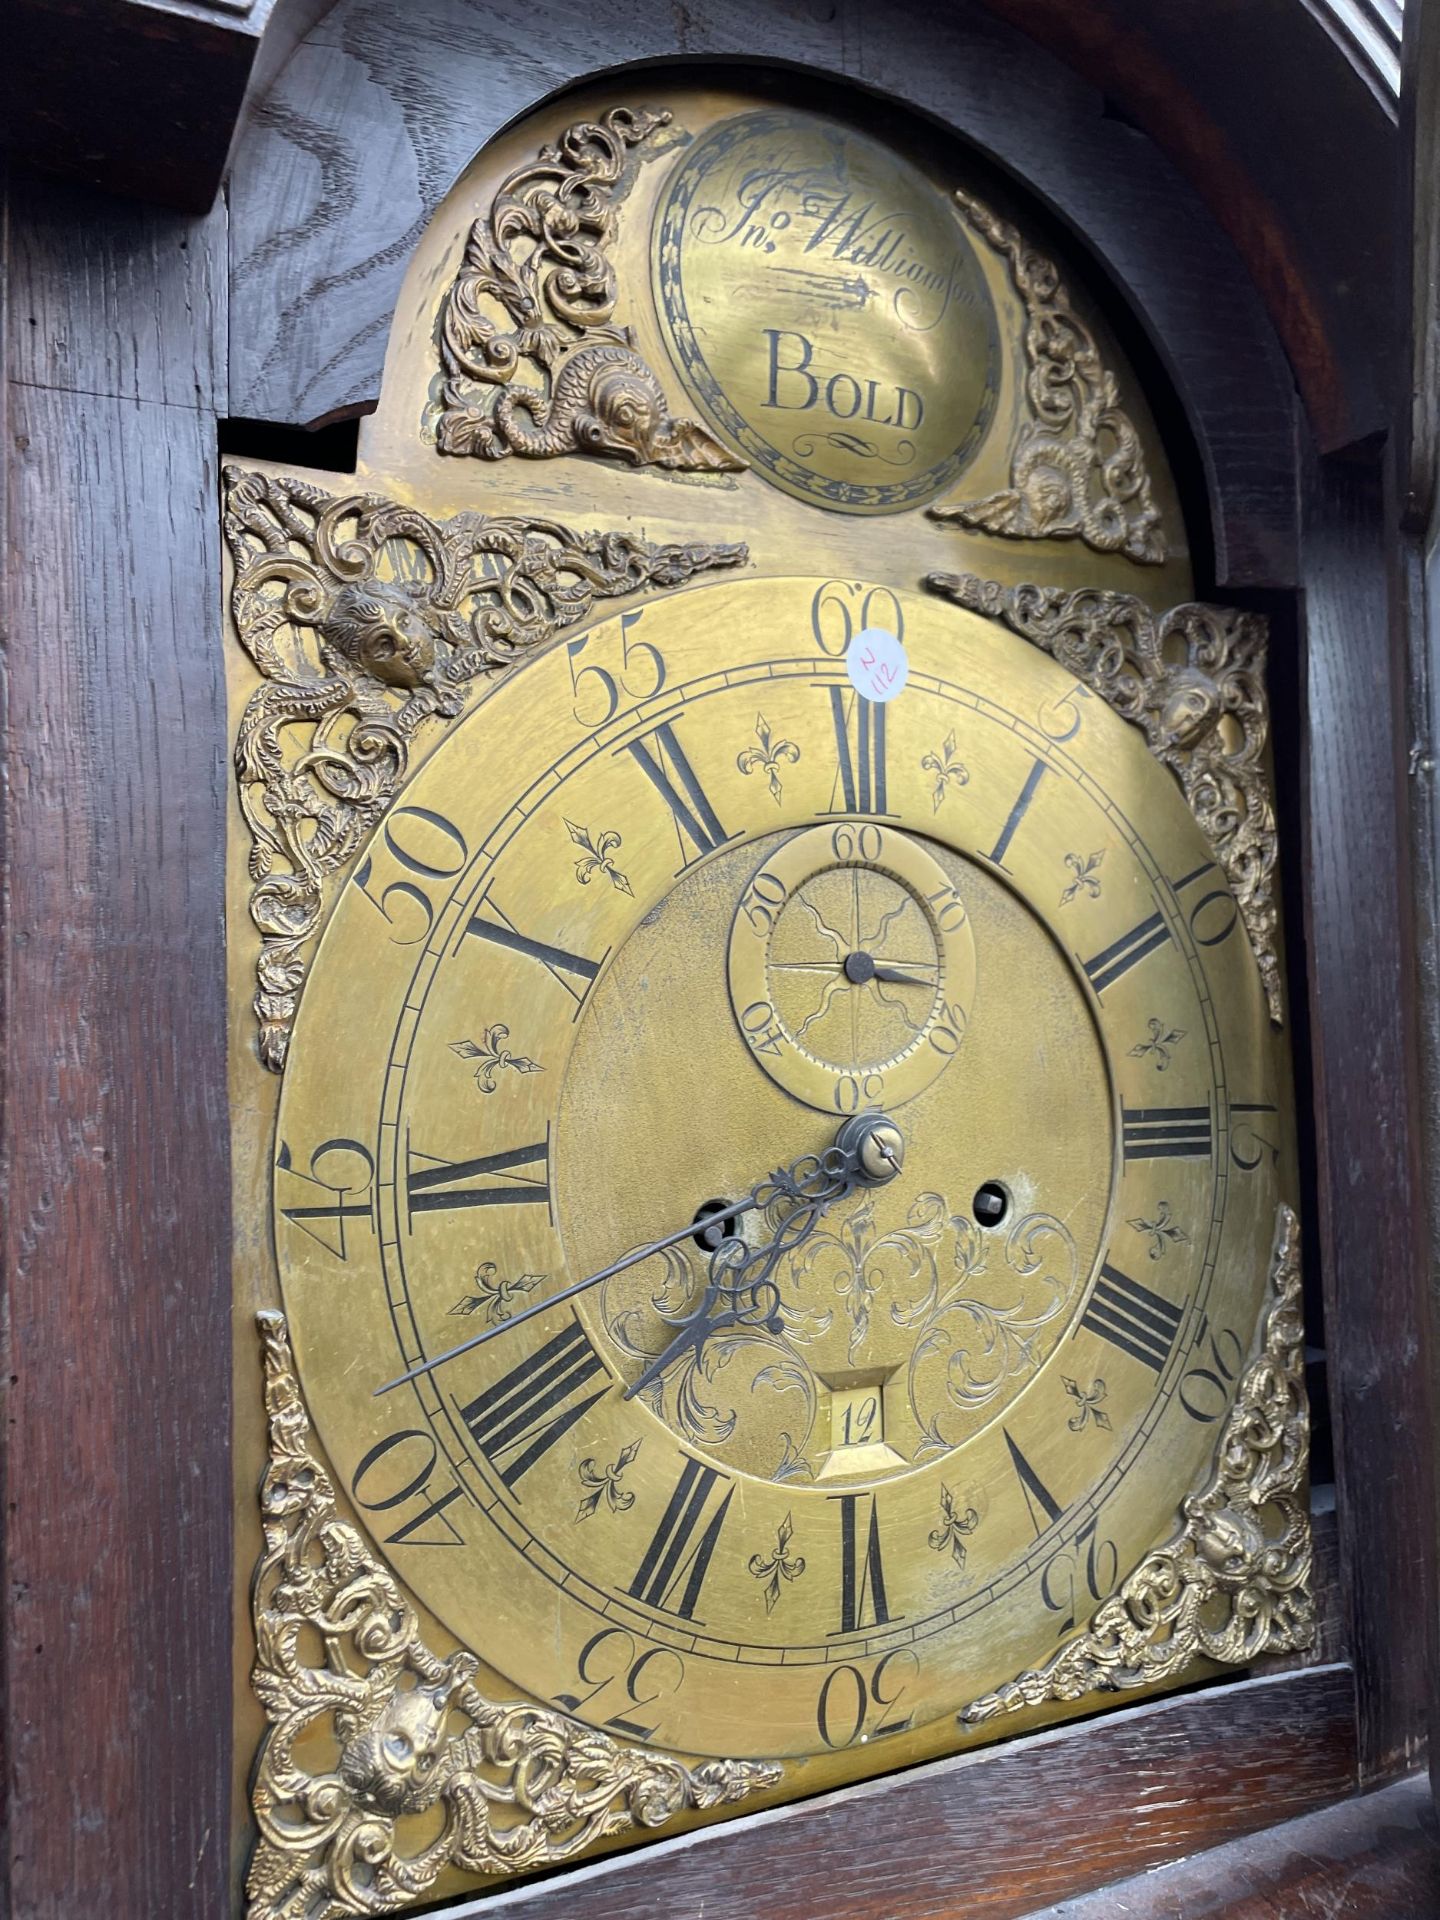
{"x": 826, "y": 310}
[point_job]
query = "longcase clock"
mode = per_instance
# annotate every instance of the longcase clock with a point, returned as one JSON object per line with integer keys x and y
{"x": 762, "y": 1125}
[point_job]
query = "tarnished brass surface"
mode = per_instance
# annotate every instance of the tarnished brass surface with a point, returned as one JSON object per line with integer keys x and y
{"x": 1194, "y": 683}
{"x": 1109, "y": 1062}
{"x": 513, "y": 805}
{"x": 339, "y": 1655}
{"x": 826, "y": 310}
{"x": 1235, "y": 1581}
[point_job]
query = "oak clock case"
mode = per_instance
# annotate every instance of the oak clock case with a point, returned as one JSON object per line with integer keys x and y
{"x": 935, "y": 1032}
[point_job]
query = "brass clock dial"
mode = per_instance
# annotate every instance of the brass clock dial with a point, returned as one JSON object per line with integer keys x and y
{"x": 652, "y": 922}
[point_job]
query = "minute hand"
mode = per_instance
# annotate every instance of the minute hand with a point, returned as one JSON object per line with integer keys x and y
{"x": 687, "y": 1232}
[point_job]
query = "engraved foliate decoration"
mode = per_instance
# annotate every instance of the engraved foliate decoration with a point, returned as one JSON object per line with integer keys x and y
{"x": 1077, "y": 470}
{"x": 536, "y": 292}
{"x": 1193, "y": 680}
{"x": 826, "y": 310}
{"x": 369, "y": 622}
{"x": 382, "y": 1764}
{"x": 1234, "y": 1581}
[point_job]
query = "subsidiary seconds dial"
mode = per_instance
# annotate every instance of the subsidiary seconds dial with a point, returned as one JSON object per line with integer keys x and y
{"x": 852, "y": 966}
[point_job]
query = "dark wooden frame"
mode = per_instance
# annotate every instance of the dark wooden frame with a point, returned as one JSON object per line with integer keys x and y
{"x": 130, "y": 333}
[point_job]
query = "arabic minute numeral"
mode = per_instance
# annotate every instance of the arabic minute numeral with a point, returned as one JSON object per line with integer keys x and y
{"x": 1214, "y": 916}
{"x": 1249, "y": 1147}
{"x": 843, "y": 608}
{"x": 850, "y": 1705}
{"x": 395, "y": 1460}
{"x": 431, "y": 849}
{"x": 344, "y": 1198}
{"x": 608, "y": 1661}
{"x": 1089, "y": 1566}
{"x": 761, "y": 1028}
{"x": 762, "y": 900}
{"x": 1204, "y": 1390}
{"x": 641, "y": 675}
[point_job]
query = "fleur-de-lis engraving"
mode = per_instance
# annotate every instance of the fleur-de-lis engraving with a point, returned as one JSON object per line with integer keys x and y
{"x": 1162, "y": 1231}
{"x": 947, "y": 769}
{"x": 496, "y": 1297}
{"x": 949, "y": 1536}
{"x": 781, "y": 1565}
{"x": 1083, "y": 876}
{"x": 494, "y": 1057}
{"x": 770, "y": 754}
{"x": 602, "y": 1484}
{"x": 1087, "y": 1404}
{"x": 598, "y": 856}
{"x": 1163, "y": 1040}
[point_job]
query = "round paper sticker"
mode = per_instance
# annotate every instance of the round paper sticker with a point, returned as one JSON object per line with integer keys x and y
{"x": 877, "y": 664}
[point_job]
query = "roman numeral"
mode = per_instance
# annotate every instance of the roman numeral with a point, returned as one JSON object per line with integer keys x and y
{"x": 518, "y": 1420}
{"x": 695, "y": 818}
{"x": 1131, "y": 948}
{"x": 563, "y": 966}
{"x": 1017, "y": 813}
{"x": 862, "y": 1572}
{"x": 436, "y": 1186}
{"x": 1043, "y": 1507}
{"x": 859, "y": 784}
{"x": 678, "y": 1557}
{"x": 1166, "y": 1133}
{"x": 1132, "y": 1318}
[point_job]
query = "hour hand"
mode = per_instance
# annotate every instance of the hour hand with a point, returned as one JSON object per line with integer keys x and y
{"x": 709, "y": 1317}
{"x": 740, "y": 1290}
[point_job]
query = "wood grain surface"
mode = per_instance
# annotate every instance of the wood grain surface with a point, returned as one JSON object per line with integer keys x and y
{"x": 344, "y": 157}
{"x": 994, "y": 1834}
{"x": 1363, "y": 1028}
{"x": 1376, "y": 1858}
{"x": 114, "y": 1175}
{"x": 1200, "y": 81}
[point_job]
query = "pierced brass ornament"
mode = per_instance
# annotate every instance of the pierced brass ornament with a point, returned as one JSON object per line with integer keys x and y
{"x": 517, "y": 1787}
{"x": 538, "y": 258}
{"x": 369, "y": 619}
{"x": 1078, "y": 470}
{"x": 1193, "y": 680}
{"x": 1234, "y": 1582}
